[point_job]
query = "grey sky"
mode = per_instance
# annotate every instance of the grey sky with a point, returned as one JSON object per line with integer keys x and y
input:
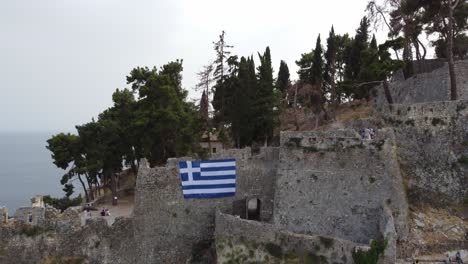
{"x": 61, "y": 60}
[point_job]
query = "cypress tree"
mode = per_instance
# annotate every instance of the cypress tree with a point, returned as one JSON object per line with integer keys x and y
{"x": 354, "y": 61}
{"x": 283, "y": 78}
{"x": 330, "y": 66}
{"x": 316, "y": 71}
{"x": 264, "y": 99}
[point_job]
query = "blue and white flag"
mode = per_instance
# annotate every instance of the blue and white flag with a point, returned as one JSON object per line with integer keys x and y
{"x": 208, "y": 178}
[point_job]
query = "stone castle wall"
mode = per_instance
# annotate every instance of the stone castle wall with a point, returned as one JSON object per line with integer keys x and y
{"x": 94, "y": 243}
{"x": 167, "y": 226}
{"x": 428, "y": 86}
{"x": 243, "y": 241}
{"x": 432, "y": 141}
{"x": 335, "y": 184}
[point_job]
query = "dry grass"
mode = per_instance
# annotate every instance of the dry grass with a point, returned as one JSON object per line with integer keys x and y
{"x": 63, "y": 260}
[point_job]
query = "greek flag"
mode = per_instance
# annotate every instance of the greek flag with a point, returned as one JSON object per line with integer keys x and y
{"x": 208, "y": 178}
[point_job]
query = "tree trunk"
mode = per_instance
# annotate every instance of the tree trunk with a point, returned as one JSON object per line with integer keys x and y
{"x": 424, "y": 49}
{"x": 113, "y": 189}
{"x": 388, "y": 95}
{"x": 453, "y": 81}
{"x": 84, "y": 188}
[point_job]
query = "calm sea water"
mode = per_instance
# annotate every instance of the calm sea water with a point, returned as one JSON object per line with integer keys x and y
{"x": 26, "y": 169}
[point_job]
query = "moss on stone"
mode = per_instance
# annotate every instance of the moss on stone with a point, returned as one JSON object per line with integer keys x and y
{"x": 326, "y": 241}
{"x": 372, "y": 255}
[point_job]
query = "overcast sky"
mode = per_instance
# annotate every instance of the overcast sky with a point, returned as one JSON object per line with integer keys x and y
{"x": 61, "y": 60}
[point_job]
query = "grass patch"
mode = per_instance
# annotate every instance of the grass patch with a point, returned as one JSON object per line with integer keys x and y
{"x": 312, "y": 258}
{"x": 199, "y": 250}
{"x": 372, "y": 255}
{"x": 465, "y": 143}
{"x": 311, "y": 149}
{"x": 274, "y": 250}
{"x": 326, "y": 241}
{"x": 63, "y": 260}
{"x": 32, "y": 231}
{"x": 463, "y": 160}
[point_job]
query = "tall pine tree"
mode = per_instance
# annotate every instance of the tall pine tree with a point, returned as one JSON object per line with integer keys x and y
{"x": 283, "y": 81}
{"x": 330, "y": 67}
{"x": 316, "y": 71}
{"x": 359, "y": 45}
{"x": 264, "y": 99}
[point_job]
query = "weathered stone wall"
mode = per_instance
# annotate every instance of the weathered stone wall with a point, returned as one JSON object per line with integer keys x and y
{"x": 37, "y": 215}
{"x": 94, "y": 243}
{"x": 167, "y": 226}
{"x": 432, "y": 143}
{"x": 427, "y": 86}
{"x": 334, "y": 183}
{"x": 244, "y": 241}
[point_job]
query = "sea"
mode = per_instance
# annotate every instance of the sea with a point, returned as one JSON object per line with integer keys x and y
{"x": 26, "y": 169}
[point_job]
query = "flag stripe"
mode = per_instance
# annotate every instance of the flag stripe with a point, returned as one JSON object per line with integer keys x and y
{"x": 208, "y": 195}
{"x": 226, "y": 168}
{"x": 217, "y": 173}
{"x": 222, "y": 181}
{"x": 217, "y": 164}
{"x": 218, "y": 190}
{"x": 216, "y": 161}
{"x": 208, "y": 186}
{"x": 209, "y": 178}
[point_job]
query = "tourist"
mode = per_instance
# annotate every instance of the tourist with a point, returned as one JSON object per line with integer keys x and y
{"x": 367, "y": 134}
{"x": 372, "y": 133}
{"x": 103, "y": 212}
{"x": 87, "y": 215}
{"x": 30, "y": 218}
{"x": 458, "y": 258}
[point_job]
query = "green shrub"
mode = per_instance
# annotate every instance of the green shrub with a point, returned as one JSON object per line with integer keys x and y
{"x": 372, "y": 255}
{"x": 199, "y": 250}
{"x": 463, "y": 160}
{"x": 274, "y": 250}
{"x": 312, "y": 258}
{"x": 62, "y": 203}
{"x": 32, "y": 231}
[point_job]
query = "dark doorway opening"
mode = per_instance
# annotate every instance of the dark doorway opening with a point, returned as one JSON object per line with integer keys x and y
{"x": 253, "y": 209}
